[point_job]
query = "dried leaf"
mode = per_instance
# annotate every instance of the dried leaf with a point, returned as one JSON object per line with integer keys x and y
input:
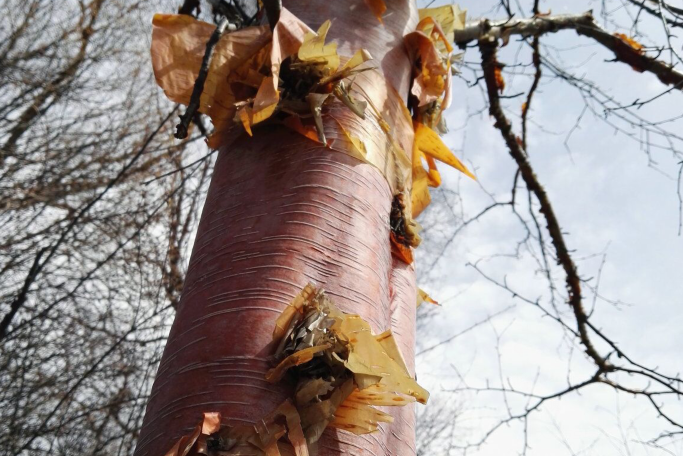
{"x": 378, "y": 7}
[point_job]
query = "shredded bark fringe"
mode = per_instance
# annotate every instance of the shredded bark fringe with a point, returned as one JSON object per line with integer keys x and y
{"x": 340, "y": 371}
{"x": 431, "y": 53}
{"x": 293, "y": 76}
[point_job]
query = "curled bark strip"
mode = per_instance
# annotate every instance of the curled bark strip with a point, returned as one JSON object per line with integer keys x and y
{"x": 293, "y": 77}
{"x": 431, "y": 55}
{"x": 341, "y": 371}
{"x": 404, "y": 231}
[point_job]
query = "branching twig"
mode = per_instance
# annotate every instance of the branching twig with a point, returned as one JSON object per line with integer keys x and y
{"x": 535, "y": 45}
{"x": 189, "y": 6}
{"x": 584, "y": 24}
{"x": 657, "y": 384}
{"x": 23, "y": 293}
{"x": 676, "y": 12}
{"x": 573, "y": 281}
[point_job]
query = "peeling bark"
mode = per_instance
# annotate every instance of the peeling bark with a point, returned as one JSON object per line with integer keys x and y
{"x": 282, "y": 211}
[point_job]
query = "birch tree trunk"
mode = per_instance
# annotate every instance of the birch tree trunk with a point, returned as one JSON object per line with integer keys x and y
{"x": 281, "y": 211}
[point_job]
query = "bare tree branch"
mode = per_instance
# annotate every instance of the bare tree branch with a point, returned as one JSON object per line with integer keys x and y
{"x": 585, "y": 25}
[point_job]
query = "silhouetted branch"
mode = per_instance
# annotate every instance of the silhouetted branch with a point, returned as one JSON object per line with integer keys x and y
{"x": 273, "y": 8}
{"x": 584, "y": 24}
{"x": 605, "y": 367}
{"x": 186, "y": 118}
{"x": 23, "y": 293}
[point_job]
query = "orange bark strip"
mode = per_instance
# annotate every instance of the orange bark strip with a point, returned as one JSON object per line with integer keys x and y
{"x": 631, "y": 42}
{"x": 500, "y": 81}
{"x": 401, "y": 251}
{"x": 378, "y": 7}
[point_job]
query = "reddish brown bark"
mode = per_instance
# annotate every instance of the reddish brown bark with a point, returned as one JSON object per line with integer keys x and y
{"x": 283, "y": 211}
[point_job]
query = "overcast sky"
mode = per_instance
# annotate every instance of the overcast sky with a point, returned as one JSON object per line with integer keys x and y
{"x": 611, "y": 199}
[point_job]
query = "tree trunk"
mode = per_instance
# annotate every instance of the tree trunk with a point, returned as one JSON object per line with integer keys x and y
{"x": 282, "y": 211}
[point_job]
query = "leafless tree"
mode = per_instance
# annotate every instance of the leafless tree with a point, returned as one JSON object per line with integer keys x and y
{"x": 90, "y": 250}
{"x": 519, "y": 46}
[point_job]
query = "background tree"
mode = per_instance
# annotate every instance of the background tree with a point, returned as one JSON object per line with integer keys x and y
{"x": 91, "y": 247}
{"x": 544, "y": 67}
{"x": 99, "y": 202}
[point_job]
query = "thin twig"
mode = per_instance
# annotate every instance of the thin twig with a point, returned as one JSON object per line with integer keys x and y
{"x": 535, "y": 46}
{"x": 186, "y": 118}
{"x": 189, "y": 6}
{"x": 488, "y": 49}
{"x": 273, "y": 9}
{"x": 23, "y": 294}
